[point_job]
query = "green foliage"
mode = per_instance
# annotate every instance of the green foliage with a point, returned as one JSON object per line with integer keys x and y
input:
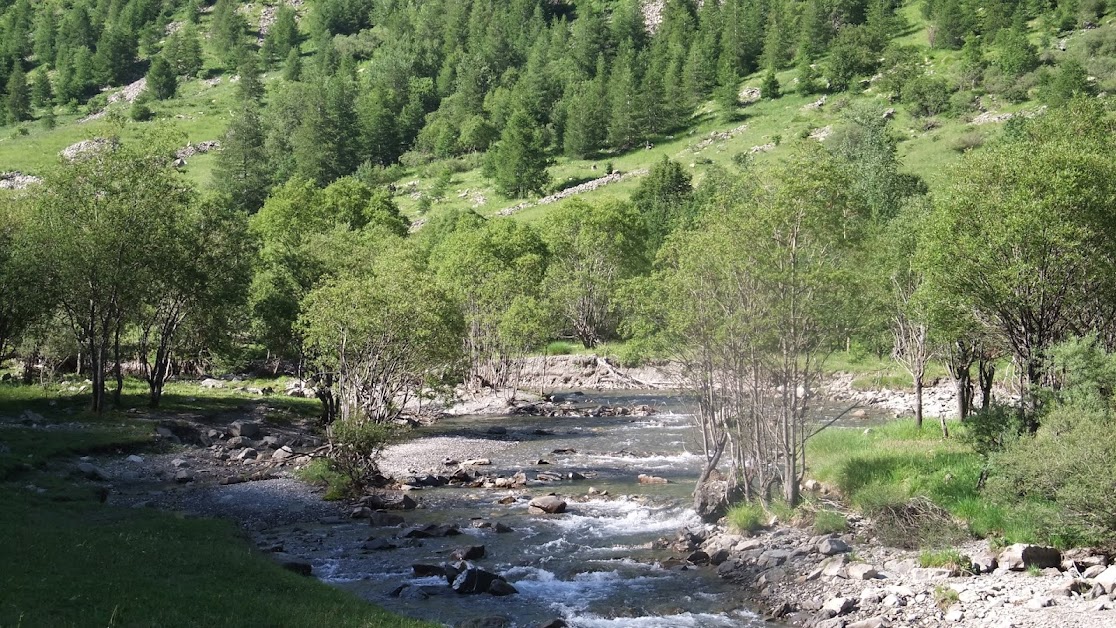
{"x": 518, "y": 162}
{"x": 950, "y": 558}
{"x": 593, "y": 247}
{"x": 926, "y": 96}
{"x": 664, "y": 198}
{"x": 830, "y": 522}
{"x": 770, "y": 85}
{"x": 747, "y": 517}
{"x": 1068, "y": 82}
{"x": 322, "y": 472}
{"x": 19, "y": 94}
{"x": 357, "y": 445}
{"x": 161, "y": 79}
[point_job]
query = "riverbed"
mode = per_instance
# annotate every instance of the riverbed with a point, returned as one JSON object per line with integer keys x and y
{"x": 596, "y": 565}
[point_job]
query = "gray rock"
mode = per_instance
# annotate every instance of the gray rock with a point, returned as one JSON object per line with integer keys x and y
{"x": 982, "y": 563}
{"x": 501, "y": 588}
{"x": 872, "y": 622}
{"x": 249, "y": 429}
{"x": 179, "y": 463}
{"x": 861, "y": 571}
{"x": 1106, "y": 580}
{"x": 474, "y": 580}
{"x": 211, "y": 383}
{"x": 832, "y": 546}
{"x": 247, "y": 454}
{"x": 422, "y": 570}
{"x": 954, "y": 614}
{"x": 1020, "y": 556}
{"x": 834, "y": 567}
{"x": 92, "y": 471}
{"x": 375, "y": 545}
{"x": 1039, "y": 601}
{"x": 930, "y": 574}
{"x": 283, "y": 453}
{"x": 183, "y": 476}
{"x": 838, "y": 606}
{"x": 1093, "y": 572}
{"x": 237, "y": 442}
{"x": 547, "y": 504}
{"x": 134, "y": 459}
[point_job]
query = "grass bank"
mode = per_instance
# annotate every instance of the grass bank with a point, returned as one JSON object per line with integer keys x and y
{"x": 885, "y": 466}
{"x": 73, "y": 561}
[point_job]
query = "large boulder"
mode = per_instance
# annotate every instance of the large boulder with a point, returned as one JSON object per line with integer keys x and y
{"x": 714, "y": 497}
{"x": 547, "y": 504}
{"x": 472, "y": 552}
{"x": 831, "y": 546}
{"x": 1020, "y": 556}
{"x": 389, "y": 502}
{"x": 1107, "y": 580}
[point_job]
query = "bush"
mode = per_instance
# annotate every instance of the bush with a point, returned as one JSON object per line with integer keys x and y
{"x": 322, "y": 473}
{"x": 968, "y": 141}
{"x": 950, "y": 558}
{"x": 1070, "y": 460}
{"x": 356, "y": 447}
{"x": 560, "y": 347}
{"x": 140, "y": 112}
{"x": 926, "y": 96}
{"x": 990, "y": 430}
{"x": 915, "y": 523}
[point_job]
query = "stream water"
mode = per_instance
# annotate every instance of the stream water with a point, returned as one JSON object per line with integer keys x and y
{"x": 593, "y": 566}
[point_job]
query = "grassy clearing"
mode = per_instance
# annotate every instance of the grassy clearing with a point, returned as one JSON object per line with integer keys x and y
{"x": 76, "y": 562}
{"x": 889, "y": 465}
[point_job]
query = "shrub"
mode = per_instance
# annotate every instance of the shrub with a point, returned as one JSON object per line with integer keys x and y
{"x": 968, "y": 141}
{"x": 945, "y": 596}
{"x": 990, "y": 430}
{"x": 356, "y": 445}
{"x": 926, "y": 95}
{"x": 916, "y": 523}
{"x": 321, "y": 472}
{"x": 1070, "y": 460}
{"x": 140, "y": 112}
{"x": 560, "y": 347}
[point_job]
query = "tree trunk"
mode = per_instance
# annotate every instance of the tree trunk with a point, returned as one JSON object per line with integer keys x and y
{"x": 97, "y": 372}
{"x": 945, "y": 428}
{"x": 790, "y": 481}
{"x": 963, "y": 382}
{"x": 986, "y": 371}
{"x": 117, "y": 372}
{"x": 918, "y": 401}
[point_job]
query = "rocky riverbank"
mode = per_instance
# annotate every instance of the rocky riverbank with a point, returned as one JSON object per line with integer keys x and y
{"x": 851, "y": 581}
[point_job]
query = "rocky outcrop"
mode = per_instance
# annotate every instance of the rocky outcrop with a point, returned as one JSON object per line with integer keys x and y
{"x": 16, "y": 180}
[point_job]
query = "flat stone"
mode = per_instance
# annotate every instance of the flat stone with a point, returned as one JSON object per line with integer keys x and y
{"x": 249, "y": 429}
{"x": 183, "y": 476}
{"x": 954, "y": 615}
{"x": 1039, "y": 601}
{"x": 134, "y": 459}
{"x": 92, "y": 471}
{"x": 283, "y": 453}
{"x": 179, "y": 463}
{"x": 872, "y": 622}
{"x": 1106, "y": 580}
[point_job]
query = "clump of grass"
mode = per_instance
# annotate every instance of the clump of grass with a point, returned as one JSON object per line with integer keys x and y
{"x": 830, "y": 522}
{"x": 943, "y": 558}
{"x": 747, "y": 516}
{"x": 321, "y": 472}
{"x": 561, "y": 347}
{"x": 945, "y": 596}
{"x": 1034, "y": 571}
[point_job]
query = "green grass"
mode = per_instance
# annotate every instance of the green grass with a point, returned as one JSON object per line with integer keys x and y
{"x": 84, "y": 564}
{"x": 830, "y": 522}
{"x": 942, "y": 558}
{"x": 747, "y": 517}
{"x": 895, "y": 462}
{"x": 72, "y": 561}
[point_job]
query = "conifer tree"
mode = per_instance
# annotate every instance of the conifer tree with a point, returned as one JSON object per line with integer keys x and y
{"x": 770, "y": 86}
{"x": 46, "y": 27}
{"x": 161, "y": 80}
{"x": 242, "y": 173}
{"x": 250, "y": 86}
{"x": 19, "y": 95}
{"x": 41, "y": 93}
{"x": 518, "y": 162}
{"x": 292, "y": 69}
{"x": 187, "y": 56}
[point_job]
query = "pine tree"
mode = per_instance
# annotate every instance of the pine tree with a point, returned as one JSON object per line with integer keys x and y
{"x": 116, "y": 51}
{"x": 46, "y": 27}
{"x": 250, "y": 86}
{"x": 41, "y": 93}
{"x": 586, "y": 120}
{"x": 292, "y": 69}
{"x": 242, "y": 173}
{"x": 770, "y": 86}
{"x": 807, "y": 75}
{"x": 624, "y": 121}
{"x": 283, "y": 35}
{"x": 727, "y": 93}
{"x": 518, "y": 162}
{"x": 19, "y": 95}
{"x": 189, "y": 58}
{"x": 161, "y": 80}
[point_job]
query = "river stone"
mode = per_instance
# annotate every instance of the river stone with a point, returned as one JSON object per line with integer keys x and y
{"x": 554, "y": 623}
{"x": 832, "y": 546}
{"x": 474, "y": 580}
{"x": 1039, "y": 601}
{"x": 422, "y": 570}
{"x": 872, "y": 622}
{"x": 502, "y": 528}
{"x": 652, "y": 479}
{"x": 698, "y": 558}
{"x": 134, "y": 459}
{"x": 501, "y": 588}
{"x": 236, "y": 442}
{"x": 983, "y": 562}
{"x": 473, "y": 552}
{"x": 179, "y": 463}
{"x": 389, "y": 502}
{"x": 1020, "y": 556}
{"x": 547, "y": 504}
{"x": 183, "y": 476}
{"x": 248, "y": 429}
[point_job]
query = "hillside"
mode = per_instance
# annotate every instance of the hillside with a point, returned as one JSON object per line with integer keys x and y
{"x": 420, "y": 126}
